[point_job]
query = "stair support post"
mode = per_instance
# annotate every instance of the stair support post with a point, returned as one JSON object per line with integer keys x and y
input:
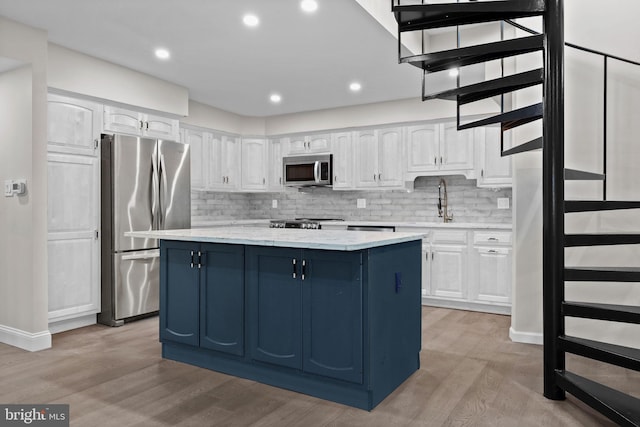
{"x": 553, "y": 197}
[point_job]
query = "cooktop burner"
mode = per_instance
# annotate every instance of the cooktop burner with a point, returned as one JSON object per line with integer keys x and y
{"x": 305, "y": 223}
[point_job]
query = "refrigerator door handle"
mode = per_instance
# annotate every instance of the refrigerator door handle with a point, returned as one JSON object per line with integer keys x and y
{"x": 154, "y": 193}
{"x": 152, "y": 254}
{"x": 163, "y": 192}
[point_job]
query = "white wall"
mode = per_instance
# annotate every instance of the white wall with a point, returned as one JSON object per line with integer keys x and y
{"x": 23, "y": 221}
{"x": 76, "y": 72}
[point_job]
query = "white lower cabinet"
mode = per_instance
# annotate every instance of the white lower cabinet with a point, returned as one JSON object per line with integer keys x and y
{"x": 73, "y": 212}
{"x": 466, "y": 269}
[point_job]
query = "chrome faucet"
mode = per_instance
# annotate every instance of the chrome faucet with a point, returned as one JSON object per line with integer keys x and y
{"x": 443, "y": 202}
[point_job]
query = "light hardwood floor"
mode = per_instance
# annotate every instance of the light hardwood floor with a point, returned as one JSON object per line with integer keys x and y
{"x": 471, "y": 375}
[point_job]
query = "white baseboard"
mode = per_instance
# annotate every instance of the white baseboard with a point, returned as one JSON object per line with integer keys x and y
{"x": 68, "y": 324}
{"x": 25, "y": 340}
{"x": 525, "y": 337}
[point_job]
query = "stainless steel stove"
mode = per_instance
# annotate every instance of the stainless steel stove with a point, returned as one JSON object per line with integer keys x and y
{"x": 304, "y": 223}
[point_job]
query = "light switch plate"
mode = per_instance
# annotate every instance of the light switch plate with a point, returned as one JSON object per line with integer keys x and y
{"x": 503, "y": 203}
{"x": 361, "y": 203}
{"x": 274, "y": 204}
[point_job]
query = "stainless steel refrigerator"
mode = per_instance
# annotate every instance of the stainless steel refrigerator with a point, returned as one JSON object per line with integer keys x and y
{"x": 145, "y": 185}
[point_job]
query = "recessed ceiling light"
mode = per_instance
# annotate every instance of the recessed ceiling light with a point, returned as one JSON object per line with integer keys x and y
{"x": 250, "y": 20}
{"x": 309, "y": 5}
{"x": 454, "y": 72}
{"x": 355, "y": 87}
{"x": 162, "y": 53}
{"x": 275, "y": 98}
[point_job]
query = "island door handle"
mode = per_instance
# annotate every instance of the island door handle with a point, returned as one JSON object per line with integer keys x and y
{"x": 199, "y": 259}
{"x": 293, "y": 261}
{"x": 304, "y": 268}
{"x": 192, "y": 254}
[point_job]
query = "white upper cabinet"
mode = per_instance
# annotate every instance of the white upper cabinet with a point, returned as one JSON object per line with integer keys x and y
{"x": 224, "y": 162}
{"x": 254, "y": 164}
{"x": 343, "y": 161}
{"x": 493, "y": 170}
{"x": 199, "y": 142}
{"x": 378, "y": 158}
{"x": 275, "y": 168}
{"x": 122, "y": 120}
{"x": 320, "y": 143}
{"x": 439, "y": 149}
{"x": 73, "y": 125}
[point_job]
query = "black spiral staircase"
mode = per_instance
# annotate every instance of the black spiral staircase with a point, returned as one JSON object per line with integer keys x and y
{"x": 622, "y": 408}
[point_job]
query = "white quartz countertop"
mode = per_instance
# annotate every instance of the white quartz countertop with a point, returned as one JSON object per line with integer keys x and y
{"x": 338, "y": 240}
{"x": 399, "y": 224}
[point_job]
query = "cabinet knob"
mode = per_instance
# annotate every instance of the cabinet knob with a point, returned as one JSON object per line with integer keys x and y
{"x": 293, "y": 262}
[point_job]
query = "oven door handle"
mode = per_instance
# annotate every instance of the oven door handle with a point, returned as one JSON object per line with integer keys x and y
{"x": 316, "y": 171}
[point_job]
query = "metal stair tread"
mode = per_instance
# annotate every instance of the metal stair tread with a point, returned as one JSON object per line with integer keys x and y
{"x": 603, "y": 238}
{"x": 446, "y": 59}
{"x": 617, "y": 406}
{"x": 598, "y": 205}
{"x": 611, "y": 312}
{"x": 489, "y": 88}
{"x": 534, "y": 144}
{"x": 605, "y": 274}
{"x": 626, "y": 357}
{"x": 509, "y": 120}
{"x": 425, "y": 16}
{"x": 578, "y": 175}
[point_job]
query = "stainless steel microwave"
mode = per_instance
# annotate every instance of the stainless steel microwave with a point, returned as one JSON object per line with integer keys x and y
{"x": 301, "y": 171}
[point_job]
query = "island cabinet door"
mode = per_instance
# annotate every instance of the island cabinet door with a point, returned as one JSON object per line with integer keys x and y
{"x": 274, "y": 304}
{"x": 179, "y": 293}
{"x": 332, "y": 314}
{"x": 222, "y": 298}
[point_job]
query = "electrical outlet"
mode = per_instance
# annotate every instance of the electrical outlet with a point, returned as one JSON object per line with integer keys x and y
{"x": 7, "y": 188}
{"x": 361, "y": 203}
{"x": 274, "y": 204}
{"x": 503, "y": 203}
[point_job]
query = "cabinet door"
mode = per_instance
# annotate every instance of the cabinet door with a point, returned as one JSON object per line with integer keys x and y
{"x": 121, "y": 120}
{"x": 342, "y": 160}
{"x": 73, "y": 126}
{"x": 72, "y": 240}
{"x": 366, "y": 158}
{"x": 390, "y": 170}
{"x": 179, "y": 293}
{"x": 254, "y": 164}
{"x": 332, "y": 314}
{"x": 495, "y": 170}
{"x": 216, "y": 178}
{"x": 295, "y": 145}
{"x": 160, "y": 127}
{"x": 275, "y": 165}
{"x": 231, "y": 162}
{"x": 456, "y": 148}
{"x": 493, "y": 275}
{"x": 222, "y": 298}
{"x": 274, "y": 303}
{"x": 198, "y": 141}
{"x": 448, "y": 271}
{"x": 423, "y": 145}
{"x": 319, "y": 143}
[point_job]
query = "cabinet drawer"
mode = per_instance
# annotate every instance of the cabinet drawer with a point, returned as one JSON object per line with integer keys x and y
{"x": 449, "y": 236}
{"x": 491, "y": 238}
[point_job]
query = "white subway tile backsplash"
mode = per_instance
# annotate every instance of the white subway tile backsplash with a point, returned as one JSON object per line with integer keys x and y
{"x": 468, "y": 203}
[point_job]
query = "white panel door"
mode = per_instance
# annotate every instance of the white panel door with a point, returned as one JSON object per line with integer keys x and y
{"x": 73, "y": 125}
{"x": 231, "y": 161}
{"x": 254, "y": 164}
{"x": 73, "y": 245}
{"x": 160, "y": 127}
{"x": 197, "y": 141}
{"x": 495, "y": 170}
{"x": 343, "y": 163}
{"x": 319, "y": 143}
{"x": 390, "y": 164}
{"x": 448, "y": 271}
{"x": 215, "y": 172}
{"x": 493, "y": 275}
{"x": 121, "y": 120}
{"x": 423, "y": 148}
{"x": 366, "y": 156}
{"x": 275, "y": 165}
{"x": 456, "y": 148}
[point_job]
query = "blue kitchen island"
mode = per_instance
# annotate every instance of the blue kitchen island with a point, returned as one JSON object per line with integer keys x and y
{"x": 332, "y": 314}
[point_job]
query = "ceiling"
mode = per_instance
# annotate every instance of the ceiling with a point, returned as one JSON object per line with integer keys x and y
{"x": 309, "y": 59}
